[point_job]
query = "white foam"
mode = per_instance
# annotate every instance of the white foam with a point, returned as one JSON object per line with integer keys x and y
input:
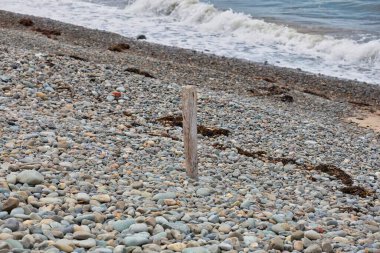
{"x": 255, "y": 32}
{"x": 197, "y": 25}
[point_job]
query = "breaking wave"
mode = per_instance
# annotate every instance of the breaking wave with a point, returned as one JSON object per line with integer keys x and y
{"x": 196, "y": 25}
{"x": 258, "y": 33}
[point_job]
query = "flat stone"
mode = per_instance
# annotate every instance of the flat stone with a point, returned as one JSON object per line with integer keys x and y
{"x": 10, "y": 204}
{"x": 196, "y": 250}
{"x": 297, "y": 235}
{"x": 203, "y": 192}
{"x": 177, "y": 247}
{"x": 80, "y": 218}
{"x": 314, "y": 248}
{"x": 159, "y": 236}
{"x": 279, "y": 228}
{"x": 340, "y": 239}
{"x": 162, "y": 221}
{"x": 151, "y": 248}
{"x": 87, "y": 244}
{"x": 248, "y": 239}
{"x": 102, "y": 250}
{"x": 170, "y": 202}
{"x": 13, "y": 244}
{"x": 18, "y": 212}
{"x": 139, "y": 227}
{"x": 279, "y": 218}
{"x": 165, "y": 195}
{"x": 83, "y": 197}
{"x": 336, "y": 233}
{"x": 246, "y": 204}
{"x": 102, "y": 198}
{"x": 30, "y": 177}
{"x": 225, "y": 246}
{"x": 135, "y": 240}
{"x": 312, "y": 235}
{"x": 5, "y": 236}
{"x": 137, "y": 185}
{"x": 82, "y": 235}
{"x": 121, "y": 225}
{"x": 51, "y": 200}
{"x": 67, "y": 165}
{"x": 181, "y": 226}
{"x": 332, "y": 223}
{"x": 213, "y": 218}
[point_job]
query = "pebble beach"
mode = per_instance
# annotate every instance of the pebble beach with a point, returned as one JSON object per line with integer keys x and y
{"x": 92, "y": 159}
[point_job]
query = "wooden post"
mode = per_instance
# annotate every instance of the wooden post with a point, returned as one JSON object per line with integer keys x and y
{"x": 189, "y": 111}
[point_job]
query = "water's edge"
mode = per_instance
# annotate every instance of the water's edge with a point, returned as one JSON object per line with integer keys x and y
{"x": 199, "y": 26}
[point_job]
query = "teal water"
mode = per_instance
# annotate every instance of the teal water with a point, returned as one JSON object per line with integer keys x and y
{"x": 344, "y": 18}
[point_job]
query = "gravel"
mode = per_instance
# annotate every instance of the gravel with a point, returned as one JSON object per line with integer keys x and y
{"x": 80, "y": 171}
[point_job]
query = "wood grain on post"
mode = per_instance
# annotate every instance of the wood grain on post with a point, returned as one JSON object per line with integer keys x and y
{"x": 189, "y": 111}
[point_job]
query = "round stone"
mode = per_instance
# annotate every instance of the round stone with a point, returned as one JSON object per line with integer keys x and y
{"x": 82, "y": 235}
{"x": 314, "y": 248}
{"x": 224, "y": 228}
{"x": 83, "y": 197}
{"x": 312, "y": 235}
{"x": 297, "y": 235}
{"x": 10, "y": 204}
{"x": 298, "y": 245}
{"x": 30, "y": 177}
{"x": 277, "y": 243}
{"x": 327, "y": 247}
{"x": 137, "y": 185}
{"x": 135, "y": 240}
{"x": 12, "y": 224}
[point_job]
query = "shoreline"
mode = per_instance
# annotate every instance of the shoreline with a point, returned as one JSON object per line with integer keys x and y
{"x": 92, "y": 157}
{"x": 235, "y": 74}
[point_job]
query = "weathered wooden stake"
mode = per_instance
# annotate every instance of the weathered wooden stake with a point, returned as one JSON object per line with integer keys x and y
{"x": 189, "y": 111}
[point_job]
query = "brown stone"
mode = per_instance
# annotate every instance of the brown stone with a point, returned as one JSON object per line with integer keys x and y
{"x": 298, "y": 245}
{"x": 10, "y": 204}
{"x": 170, "y": 202}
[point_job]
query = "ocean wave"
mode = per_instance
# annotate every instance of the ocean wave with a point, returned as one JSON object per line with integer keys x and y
{"x": 200, "y": 26}
{"x": 258, "y": 33}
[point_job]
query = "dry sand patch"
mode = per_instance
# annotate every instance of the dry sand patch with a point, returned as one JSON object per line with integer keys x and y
{"x": 368, "y": 120}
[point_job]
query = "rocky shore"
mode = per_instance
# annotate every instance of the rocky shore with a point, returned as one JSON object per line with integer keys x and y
{"x": 91, "y": 156}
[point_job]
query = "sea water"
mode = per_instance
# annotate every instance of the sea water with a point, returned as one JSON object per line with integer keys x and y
{"x": 332, "y": 37}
